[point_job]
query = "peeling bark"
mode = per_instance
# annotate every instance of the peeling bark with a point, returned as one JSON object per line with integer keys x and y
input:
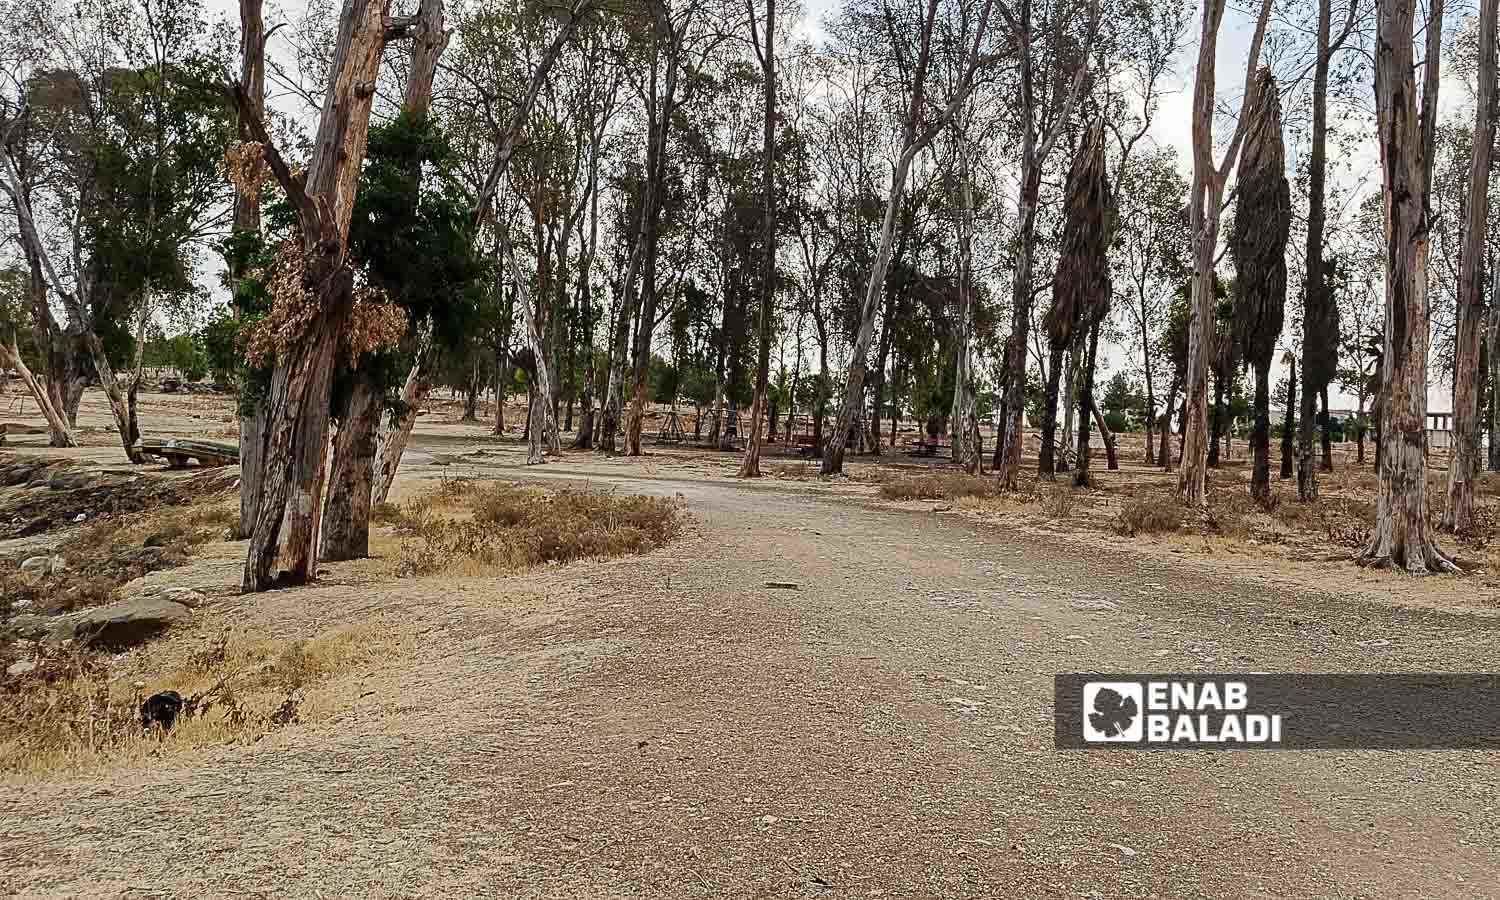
{"x": 1402, "y": 538}
{"x": 1207, "y": 199}
{"x": 346, "y": 517}
{"x": 283, "y": 543}
{"x": 1463, "y": 465}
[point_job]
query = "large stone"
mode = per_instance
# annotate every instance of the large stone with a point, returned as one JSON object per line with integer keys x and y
{"x": 68, "y": 480}
{"x": 31, "y": 627}
{"x": 38, "y": 566}
{"x": 187, "y": 596}
{"x": 129, "y": 621}
{"x": 20, "y": 473}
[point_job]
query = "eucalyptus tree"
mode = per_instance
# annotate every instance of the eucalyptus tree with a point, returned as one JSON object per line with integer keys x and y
{"x": 1402, "y": 537}
{"x": 1080, "y": 290}
{"x": 922, "y": 124}
{"x": 1463, "y": 464}
{"x": 1054, "y": 46}
{"x": 1205, "y": 202}
{"x": 301, "y": 335}
{"x": 1320, "y": 313}
{"x": 117, "y": 101}
{"x": 679, "y": 41}
{"x": 764, "y": 44}
{"x": 1151, "y": 263}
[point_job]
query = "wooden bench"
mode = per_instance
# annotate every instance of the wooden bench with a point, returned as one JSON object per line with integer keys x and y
{"x": 18, "y": 428}
{"x": 928, "y": 448}
{"x": 177, "y": 452}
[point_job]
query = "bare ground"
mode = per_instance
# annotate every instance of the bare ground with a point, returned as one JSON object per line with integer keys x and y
{"x": 668, "y": 726}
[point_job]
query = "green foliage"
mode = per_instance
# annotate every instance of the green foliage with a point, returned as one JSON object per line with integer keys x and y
{"x": 1123, "y": 403}
{"x": 183, "y": 352}
{"x": 413, "y": 228}
{"x": 219, "y": 341}
{"x": 412, "y": 232}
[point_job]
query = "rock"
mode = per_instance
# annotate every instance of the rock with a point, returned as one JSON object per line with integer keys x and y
{"x": 67, "y": 480}
{"x": 17, "y": 474}
{"x": 38, "y": 566}
{"x": 158, "y": 539}
{"x": 33, "y": 627}
{"x": 186, "y": 596}
{"x": 28, "y": 626}
{"x": 1093, "y": 603}
{"x": 129, "y": 621}
{"x": 20, "y": 667}
{"x": 35, "y": 526}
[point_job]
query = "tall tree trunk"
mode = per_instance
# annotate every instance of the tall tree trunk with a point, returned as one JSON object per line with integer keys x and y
{"x": 502, "y": 389}
{"x": 352, "y": 473}
{"x": 1402, "y": 537}
{"x": 1204, "y": 209}
{"x": 1463, "y": 463}
{"x": 247, "y": 221}
{"x": 1289, "y": 426}
{"x": 1164, "y": 445}
{"x": 1492, "y": 353}
{"x": 1260, "y": 437}
{"x": 750, "y": 466}
{"x": 1046, "y": 466}
{"x": 1073, "y": 363}
{"x": 1320, "y": 322}
{"x": 283, "y": 545}
{"x": 1111, "y": 457}
{"x": 1013, "y": 405}
{"x": 392, "y": 440}
{"x": 878, "y": 378}
{"x": 854, "y": 382}
{"x": 346, "y": 518}
{"x": 1325, "y": 429}
{"x": 119, "y": 406}
{"x": 1216, "y": 421}
{"x": 960, "y": 424}
{"x": 1085, "y": 404}
{"x": 542, "y": 428}
{"x": 913, "y": 141}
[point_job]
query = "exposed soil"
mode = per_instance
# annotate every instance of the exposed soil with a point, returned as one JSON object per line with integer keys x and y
{"x": 667, "y": 725}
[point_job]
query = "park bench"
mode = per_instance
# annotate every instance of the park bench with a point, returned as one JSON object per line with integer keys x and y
{"x": 926, "y": 447}
{"x": 177, "y": 452}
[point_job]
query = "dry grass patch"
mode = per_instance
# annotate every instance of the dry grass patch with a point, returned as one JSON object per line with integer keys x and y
{"x": 1057, "y": 503}
{"x": 487, "y": 526}
{"x": 939, "y": 486}
{"x": 1149, "y": 514}
{"x": 77, "y": 711}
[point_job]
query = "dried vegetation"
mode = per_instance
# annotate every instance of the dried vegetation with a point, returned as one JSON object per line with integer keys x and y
{"x": 79, "y": 710}
{"x": 485, "y": 527}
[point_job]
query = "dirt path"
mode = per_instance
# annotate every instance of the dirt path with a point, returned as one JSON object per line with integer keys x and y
{"x": 667, "y": 726}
